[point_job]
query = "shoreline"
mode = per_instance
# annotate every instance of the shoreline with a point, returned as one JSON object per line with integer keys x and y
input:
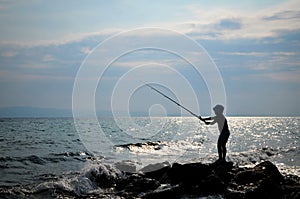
{"x": 190, "y": 180}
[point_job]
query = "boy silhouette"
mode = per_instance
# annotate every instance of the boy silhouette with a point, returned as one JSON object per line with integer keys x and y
{"x": 220, "y": 119}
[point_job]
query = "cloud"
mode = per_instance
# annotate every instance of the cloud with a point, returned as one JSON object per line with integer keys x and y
{"x": 9, "y": 53}
{"x": 88, "y": 37}
{"x": 255, "y": 54}
{"x": 259, "y": 54}
{"x": 284, "y": 15}
{"x": 86, "y": 50}
{"x": 227, "y": 24}
{"x": 286, "y": 76}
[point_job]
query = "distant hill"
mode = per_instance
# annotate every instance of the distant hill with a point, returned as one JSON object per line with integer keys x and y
{"x": 34, "y": 112}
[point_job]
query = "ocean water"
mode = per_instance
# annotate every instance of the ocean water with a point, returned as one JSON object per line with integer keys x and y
{"x": 44, "y": 153}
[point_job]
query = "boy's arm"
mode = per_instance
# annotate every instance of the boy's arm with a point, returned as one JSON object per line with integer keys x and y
{"x": 208, "y": 118}
{"x": 212, "y": 122}
{"x": 204, "y": 119}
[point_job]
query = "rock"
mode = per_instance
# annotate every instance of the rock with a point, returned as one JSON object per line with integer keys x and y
{"x": 191, "y": 180}
{"x": 261, "y": 172}
{"x": 126, "y": 166}
{"x": 213, "y": 184}
{"x": 162, "y": 174}
{"x": 137, "y": 183}
{"x": 223, "y": 171}
{"x": 154, "y": 167}
{"x": 190, "y": 174}
{"x": 262, "y": 181}
{"x": 165, "y": 192}
{"x": 198, "y": 180}
{"x": 291, "y": 187}
{"x": 208, "y": 186}
{"x": 265, "y": 189}
{"x": 104, "y": 176}
{"x": 270, "y": 171}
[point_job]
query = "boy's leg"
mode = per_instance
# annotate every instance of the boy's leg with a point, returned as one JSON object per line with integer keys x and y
{"x": 219, "y": 145}
{"x": 224, "y": 150}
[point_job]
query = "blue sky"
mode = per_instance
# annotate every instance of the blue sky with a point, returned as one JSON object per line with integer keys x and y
{"x": 254, "y": 44}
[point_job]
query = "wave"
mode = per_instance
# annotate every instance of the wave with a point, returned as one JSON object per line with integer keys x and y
{"x": 144, "y": 145}
{"x": 52, "y": 158}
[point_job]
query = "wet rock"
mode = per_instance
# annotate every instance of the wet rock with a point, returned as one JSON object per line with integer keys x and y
{"x": 165, "y": 192}
{"x": 162, "y": 174}
{"x": 137, "y": 183}
{"x": 104, "y": 176}
{"x": 155, "y": 167}
{"x": 126, "y": 166}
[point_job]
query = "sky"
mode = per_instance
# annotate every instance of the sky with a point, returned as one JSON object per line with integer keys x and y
{"x": 253, "y": 45}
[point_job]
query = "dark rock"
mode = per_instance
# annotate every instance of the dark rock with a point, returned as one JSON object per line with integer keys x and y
{"x": 263, "y": 171}
{"x": 192, "y": 180}
{"x": 208, "y": 186}
{"x": 168, "y": 192}
{"x": 270, "y": 171}
{"x": 190, "y": 174}
{"x": 197, "y": 179}
{"x": 155, "y": 167}
{"x": 265, "y": 189}
{"x": 137, "y": 183}
{"x": 223, "y": 171}
{"x": 161, "y": 174}
{"x": 213, "y": 184}
{"x": 262, "y": 181}
{"x": 291, "y": 187}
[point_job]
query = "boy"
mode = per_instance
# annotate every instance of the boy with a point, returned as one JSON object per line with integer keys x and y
{"x": 223, "y": 128}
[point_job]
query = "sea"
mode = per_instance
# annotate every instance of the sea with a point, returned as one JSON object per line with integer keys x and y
{"x": 41, "y": 155}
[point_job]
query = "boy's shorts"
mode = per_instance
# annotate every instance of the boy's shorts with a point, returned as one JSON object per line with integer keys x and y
{"x": 223, "y": 138}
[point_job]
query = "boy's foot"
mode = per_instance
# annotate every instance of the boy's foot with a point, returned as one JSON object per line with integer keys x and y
{"x": 218, "y": 161}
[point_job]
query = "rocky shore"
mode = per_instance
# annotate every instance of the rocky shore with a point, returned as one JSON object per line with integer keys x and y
{"x": 192, "y": 180}
{"x": 196, "y": 179}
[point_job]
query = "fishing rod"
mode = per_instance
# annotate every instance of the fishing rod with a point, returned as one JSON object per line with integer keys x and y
{"x": 172, "y": 100}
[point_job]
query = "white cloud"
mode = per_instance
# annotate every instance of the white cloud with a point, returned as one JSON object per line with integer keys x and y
{"x": 259, "y": 54}
{"x": 71, "y": 38}
{"x": 254, "y": 24}
{"x": 86, "y": 50}
{"x": 256, "y": 54}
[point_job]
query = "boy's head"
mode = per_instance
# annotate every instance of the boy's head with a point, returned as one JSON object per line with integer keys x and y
{"x": 218, "y": 109}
